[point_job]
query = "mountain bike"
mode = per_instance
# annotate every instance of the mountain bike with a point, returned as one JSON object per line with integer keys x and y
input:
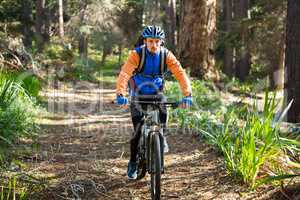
{"x": 150, "y": 156}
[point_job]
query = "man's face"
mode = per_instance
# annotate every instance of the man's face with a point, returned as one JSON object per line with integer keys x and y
{"x": 153, "y": 44}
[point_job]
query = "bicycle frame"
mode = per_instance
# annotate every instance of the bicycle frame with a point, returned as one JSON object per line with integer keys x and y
{"x": 150, "y": 156}
{"x": 151, "y": 126}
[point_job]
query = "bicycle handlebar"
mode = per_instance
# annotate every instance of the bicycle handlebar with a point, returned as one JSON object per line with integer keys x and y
{"x": 156, "y": 100}
{"x": 158, "y": 103}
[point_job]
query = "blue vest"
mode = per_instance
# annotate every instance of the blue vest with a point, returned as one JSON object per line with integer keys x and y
{"x": 149, "y": 80}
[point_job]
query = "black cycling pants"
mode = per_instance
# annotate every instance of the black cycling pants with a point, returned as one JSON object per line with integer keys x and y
{"x": 137, "y": 114}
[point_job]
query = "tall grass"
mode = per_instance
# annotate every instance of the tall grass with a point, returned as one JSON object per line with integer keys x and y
{"x": 249, "y": 139}
{"x": 253, "y": 144}
{"x": 29, "y": 82}
{"x": 17, "y": 113}
{"x": 11, "y": 189}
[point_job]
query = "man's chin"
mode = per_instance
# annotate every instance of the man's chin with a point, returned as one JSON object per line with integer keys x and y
{"x": 153, "y": 50}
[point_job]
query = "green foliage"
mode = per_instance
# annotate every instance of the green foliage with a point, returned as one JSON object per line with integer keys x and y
{"x": 84, "y": 69}
{"x": 93, "y": 70}
{"x": 32, "y": 85}
{"x": 205, "y": 94}
{"x": 248, "y": 139}
{"x": 10, "y": 10}
{"x": 17, "y": 113}
{"x": 246, "y": 88}
{"x": 10, "y": 190}
{"x": 270, "y": 179}
{"x": 53, "y": 51}
{"x": 29, "y": 82}
{"x": 252, "y": 145}
{"x": 263, "y": 33}
{"x": 58, "y": 51}
{"x": 20, "y": 186}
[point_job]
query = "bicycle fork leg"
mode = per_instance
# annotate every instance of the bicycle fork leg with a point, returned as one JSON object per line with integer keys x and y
{"x": 161, "y": 139}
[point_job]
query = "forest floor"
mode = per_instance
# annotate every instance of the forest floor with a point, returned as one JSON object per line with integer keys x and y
{"x": 84, "y": 150}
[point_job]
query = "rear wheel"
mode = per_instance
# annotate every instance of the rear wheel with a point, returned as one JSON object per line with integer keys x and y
{"x": 155, "y": 167}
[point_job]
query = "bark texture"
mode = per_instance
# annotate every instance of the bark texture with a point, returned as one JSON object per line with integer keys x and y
{"x": 197, "y": 37}
{"x": 293, "y": 60}
{"x": 242, "y": 57}
{"x": 228, "y": 51}
{"x": 26, "y": 20}
{"x": 61, "y": 18}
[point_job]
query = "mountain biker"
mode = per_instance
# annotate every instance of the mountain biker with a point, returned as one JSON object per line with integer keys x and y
{"x": 148, "y": 80}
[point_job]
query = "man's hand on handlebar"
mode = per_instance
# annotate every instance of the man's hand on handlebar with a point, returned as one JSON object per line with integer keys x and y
{"x": 122, "y": 101}
{"x": 186, "y": 102}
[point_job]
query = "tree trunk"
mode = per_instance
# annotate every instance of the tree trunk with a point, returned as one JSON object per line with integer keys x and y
{"x": 26, "y": 21}
{"x": 39, "y": 24}
{"x": 83, "y": 46}
{"x": 197, "y": 37}
{"x": 107, "y": 50}
{"x": 83, "y": 38}
{"x": 277, "y": 72}
{"x": 169, "y": 23}
{"x": 292, "y": 59}
{"x": 120, "y": 53}
{"x": 242, "y": 64}
{"x": 47, "y": 22}
{"x": 228, "y": 51}
{"x": 61, "y": 18}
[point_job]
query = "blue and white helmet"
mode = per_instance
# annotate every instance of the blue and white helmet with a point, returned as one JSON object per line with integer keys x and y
{"x": 153, "y": 32}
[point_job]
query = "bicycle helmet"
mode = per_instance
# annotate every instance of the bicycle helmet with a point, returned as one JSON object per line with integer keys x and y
{"x": 153, "y": 32}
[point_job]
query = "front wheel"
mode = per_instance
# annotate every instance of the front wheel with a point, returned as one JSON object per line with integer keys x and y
{"x": 155, "y": 167}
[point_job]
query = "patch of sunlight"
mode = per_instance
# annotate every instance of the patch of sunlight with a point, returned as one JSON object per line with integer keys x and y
{"x": 108, "y": 79}
{"x": 171, "y": 159}
{"x": 101, "y": 119}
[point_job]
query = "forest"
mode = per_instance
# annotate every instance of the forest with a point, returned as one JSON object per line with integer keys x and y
{"x": 63, "y": 136}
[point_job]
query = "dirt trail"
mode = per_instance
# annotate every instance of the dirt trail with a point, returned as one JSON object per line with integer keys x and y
{"x": 84, "y": 154}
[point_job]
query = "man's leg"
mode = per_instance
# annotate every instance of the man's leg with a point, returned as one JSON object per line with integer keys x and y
{"x": 136, "y": 116}
{"x": 163, "y": 116}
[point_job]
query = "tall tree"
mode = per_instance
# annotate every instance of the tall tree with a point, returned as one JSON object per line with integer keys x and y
{"x": 26, "y": 21}
{"x": 129, "y": 20}
{"x": 242, "y": 64}
{"x": 39, "y": 24}
{"x": 42, "y": 24}
{"x": 83, "y": 37}
{"x": 169, "y": 23}
{"x": 197, "y": 37}
{"x": 293, "y": 59}
{"x": 228, "y": 50}
{"x": 277, "y": 65}
{"x": 61, "y": 18}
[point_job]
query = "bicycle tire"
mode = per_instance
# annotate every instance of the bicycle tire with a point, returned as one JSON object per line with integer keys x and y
{"x": 156, "y": 167}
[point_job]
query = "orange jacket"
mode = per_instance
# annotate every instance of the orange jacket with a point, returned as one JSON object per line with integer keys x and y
{"x": 172, "y": 63}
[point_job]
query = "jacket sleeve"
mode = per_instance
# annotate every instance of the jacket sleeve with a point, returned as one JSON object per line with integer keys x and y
{"x": 179, "y": 73}
{"x": 126, "y": 72}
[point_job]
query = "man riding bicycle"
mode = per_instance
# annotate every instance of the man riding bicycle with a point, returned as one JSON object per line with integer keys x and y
{"x": 144, "y": 70}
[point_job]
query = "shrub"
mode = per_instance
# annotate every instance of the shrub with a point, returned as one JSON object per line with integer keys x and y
{"x": 17, "y": 112}
{"x": 249, "y": 140}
